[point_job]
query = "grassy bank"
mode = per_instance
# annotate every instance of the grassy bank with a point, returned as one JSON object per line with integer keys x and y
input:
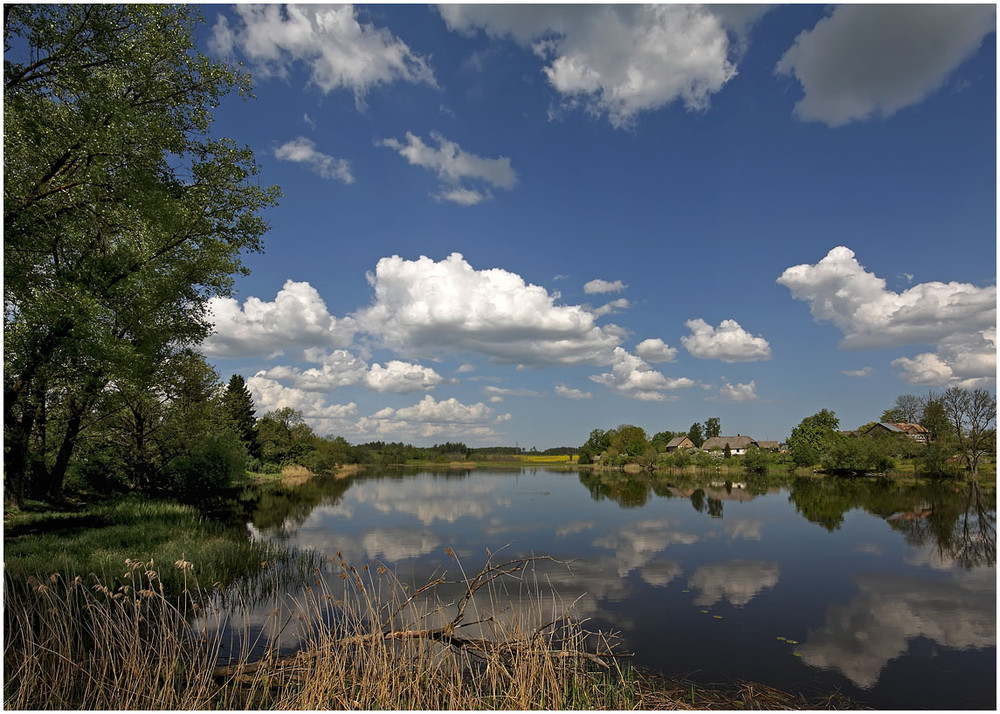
{"x": 98, "y": 538}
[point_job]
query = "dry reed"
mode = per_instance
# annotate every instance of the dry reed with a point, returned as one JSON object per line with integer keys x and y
{"x": 295, "y": 475}
{"x": 494, "y": 640}
{"x": 370, "y": 642}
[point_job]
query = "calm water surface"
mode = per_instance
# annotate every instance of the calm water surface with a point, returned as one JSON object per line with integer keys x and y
{"x": 885, "y": 592}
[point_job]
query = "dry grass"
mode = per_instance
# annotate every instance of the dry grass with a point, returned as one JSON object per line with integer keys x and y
{"x": 492, "y": 640}
{"x": 73, "y": 644}
{"x": 295, "y": 475}
{"x": 347, "y": 470}
{"x": 375, "y": 643}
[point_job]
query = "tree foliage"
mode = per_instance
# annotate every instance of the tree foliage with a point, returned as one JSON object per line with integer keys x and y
{"x": 122, "y": 216}
{"x": 755, "y": 461}
{"x": 713, "y": 427}
{"x": 809, "y": 439}
{"x": 934, "y": 418}
{"x": 285, "y": 438}
{"x": 660, "y": 439}
{"x": 597, "y": 443}
{"x": 695, "y": 434}
{"x": 851, "y": 455}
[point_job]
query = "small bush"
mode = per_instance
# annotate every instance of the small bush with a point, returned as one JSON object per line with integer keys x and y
{"x": 756, "y": 461}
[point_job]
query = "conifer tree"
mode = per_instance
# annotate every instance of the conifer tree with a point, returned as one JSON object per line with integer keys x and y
{"x": 239, "y": 405}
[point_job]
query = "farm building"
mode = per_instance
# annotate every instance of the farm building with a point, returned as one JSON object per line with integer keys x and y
{"x": 914, "y": 431}
{"x": 679, "y": 442}
{"x": 738, "y": 444}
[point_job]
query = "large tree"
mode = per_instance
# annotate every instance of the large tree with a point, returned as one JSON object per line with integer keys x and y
{"x": 810, "y": 440}
{"x": 122, "y": 215}
{"x": 973, "y": 416}
{"x": 285, "y": 438}
{"x": 713, "y": 427}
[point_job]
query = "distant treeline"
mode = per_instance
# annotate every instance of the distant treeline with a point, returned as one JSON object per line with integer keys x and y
{"x": 325, "y": 453}
{"x": 281, "y": 437}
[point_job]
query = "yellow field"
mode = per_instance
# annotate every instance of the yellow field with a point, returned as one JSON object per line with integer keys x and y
{"x": 540, "y": 459}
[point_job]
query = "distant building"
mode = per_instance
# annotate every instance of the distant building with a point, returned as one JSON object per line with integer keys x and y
{"x": 768, "y": 445}
{"x": 916, "y": 432}
{"x": 738, "y": 444}
{"x": 679, "y": 442}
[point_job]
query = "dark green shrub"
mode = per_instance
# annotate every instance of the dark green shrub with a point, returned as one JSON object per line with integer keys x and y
{"x": 934, "y": 461}
{"x": 681, "y": 458}
{"x": 209, "y": 466}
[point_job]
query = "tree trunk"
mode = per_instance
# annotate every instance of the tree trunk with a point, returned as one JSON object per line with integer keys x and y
{"x": 17, "y": 436}
{"x": 57, "y": 474}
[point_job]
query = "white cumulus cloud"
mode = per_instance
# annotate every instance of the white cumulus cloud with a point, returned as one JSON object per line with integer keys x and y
{"x": 862, "y": 372}
{"x": 738, "y": 392}
{"x": 632, "y": 377}
{"x": 958, "y": 318}
{"x": 432, "y": 418}
{"x": 603, "y": 286}
{"x": 612, "y": 307}
{"x": 303, "y": 151}
{"x": 866, "y": 60}
{"x": 656, "y": 350}
{"x": 423, "y": 307}
{"x": 340, "y": 368}
{"x": 728, "y": 342}
{"x": 341, "y": 51}
{"x": 298, "y": 318}
{"x": 399, "y": 377}
{"x": 618, "y": 60}
{"x": 269, "y": 394}
{"x": 966, "y": 361}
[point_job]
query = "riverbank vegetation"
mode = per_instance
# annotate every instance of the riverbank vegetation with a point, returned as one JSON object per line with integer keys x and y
{"x": 98, "y": 537}
{"x": 957, "y": 437}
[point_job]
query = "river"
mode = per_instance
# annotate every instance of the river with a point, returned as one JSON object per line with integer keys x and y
{"x": 883, "y": 591}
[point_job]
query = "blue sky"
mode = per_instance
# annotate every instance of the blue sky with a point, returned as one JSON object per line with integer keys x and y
{"x": 515, "y": 224}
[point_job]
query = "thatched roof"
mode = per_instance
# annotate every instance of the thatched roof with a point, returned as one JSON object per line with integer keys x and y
{"x": 735, "y": 442}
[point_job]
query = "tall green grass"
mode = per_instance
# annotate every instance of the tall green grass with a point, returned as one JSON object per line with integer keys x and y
{"x": 98, "y": 539}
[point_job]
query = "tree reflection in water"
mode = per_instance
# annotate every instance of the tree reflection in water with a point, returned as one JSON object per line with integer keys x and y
{"x": 963, "y": 529}
{"x": 957, "y": 518}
